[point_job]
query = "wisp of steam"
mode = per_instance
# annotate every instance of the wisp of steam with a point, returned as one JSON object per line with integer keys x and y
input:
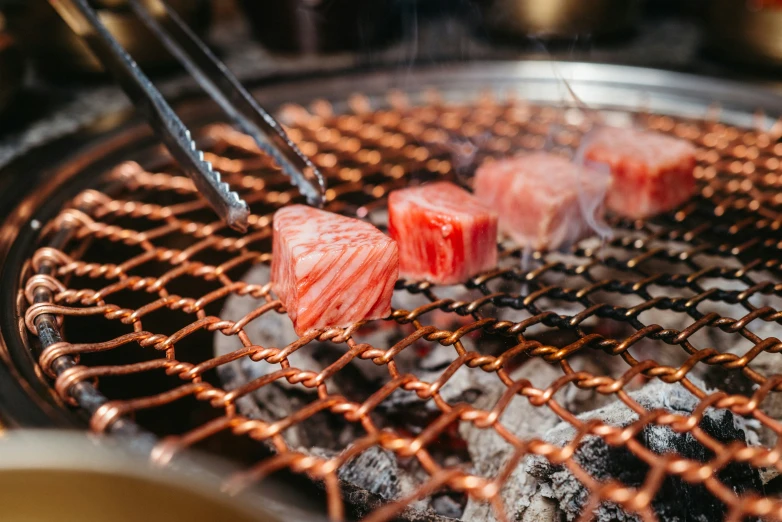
{"x": 589, "y": 204}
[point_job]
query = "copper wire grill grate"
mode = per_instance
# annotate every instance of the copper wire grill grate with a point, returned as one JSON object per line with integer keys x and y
{"x": 722, "y": 247}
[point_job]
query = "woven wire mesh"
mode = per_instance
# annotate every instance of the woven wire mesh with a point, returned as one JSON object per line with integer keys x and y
{"x": 143, "y": 243}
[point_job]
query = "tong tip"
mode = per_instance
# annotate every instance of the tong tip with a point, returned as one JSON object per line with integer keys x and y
{"x": 237, "y": 218}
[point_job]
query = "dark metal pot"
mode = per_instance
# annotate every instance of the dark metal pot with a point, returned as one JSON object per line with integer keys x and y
{"x": 321, "y": 26}
{"x": 11, "y": 69}
{"x": 559, "y": 18}
{"x": 57, "y": 50}
{"x": 745, "y": 30}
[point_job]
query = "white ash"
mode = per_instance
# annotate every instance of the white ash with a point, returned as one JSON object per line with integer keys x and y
{"x": 541, "y": 509}
{"x": 731, "y": 381}
{"x": 379, "y": 217}
{"x": 765, "y": 363}
{"x": 447, "y": 507}
{"x": 771, "y": 406}
{"x": 275, "y": 330}
{"x": 728, "y": 380}
{"x": 271, "y": 330}
{"x": 465, "y": 385}
{"x": 489, "y": 452}
{"x": 677, "y": 501}
{"x": 654, "y": 395}
{"x": 376, "y": 474}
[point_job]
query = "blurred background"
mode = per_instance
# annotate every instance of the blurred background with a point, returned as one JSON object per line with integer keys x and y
{"x": 46, "y": 73}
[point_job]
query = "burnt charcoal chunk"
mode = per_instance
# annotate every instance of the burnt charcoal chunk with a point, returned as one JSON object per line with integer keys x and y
{"x": 374, "y": 470}
{"x": 676, "y": 499}
{"x": 729, "y": 381}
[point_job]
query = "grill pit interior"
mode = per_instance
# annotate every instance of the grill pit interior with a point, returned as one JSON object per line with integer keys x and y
{"x": 522, "y": 394}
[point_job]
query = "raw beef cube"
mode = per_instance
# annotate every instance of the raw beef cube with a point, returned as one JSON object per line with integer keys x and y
{"x": 652, "y": 172}
{"x": 544, "y": 201}
{"x": 330, "y": 270}
{"x": 445, "y": 234}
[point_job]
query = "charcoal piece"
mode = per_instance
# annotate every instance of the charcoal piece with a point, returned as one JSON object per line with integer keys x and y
{"x": 374, "y": 470}
{"x": 375, "y": 477}
{"x": 463, "y": 386}
{"x": 489, "y": 452}
{"x": 676, "y": 500}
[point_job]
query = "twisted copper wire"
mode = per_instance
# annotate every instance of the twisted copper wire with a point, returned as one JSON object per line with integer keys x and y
{"x": 366, "y": 153}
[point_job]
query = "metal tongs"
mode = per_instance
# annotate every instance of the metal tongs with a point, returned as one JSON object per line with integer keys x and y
{"x": 215, "y": 78}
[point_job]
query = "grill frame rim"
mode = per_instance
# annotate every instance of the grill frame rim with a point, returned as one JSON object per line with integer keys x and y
{"x": 18, "y": 349}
